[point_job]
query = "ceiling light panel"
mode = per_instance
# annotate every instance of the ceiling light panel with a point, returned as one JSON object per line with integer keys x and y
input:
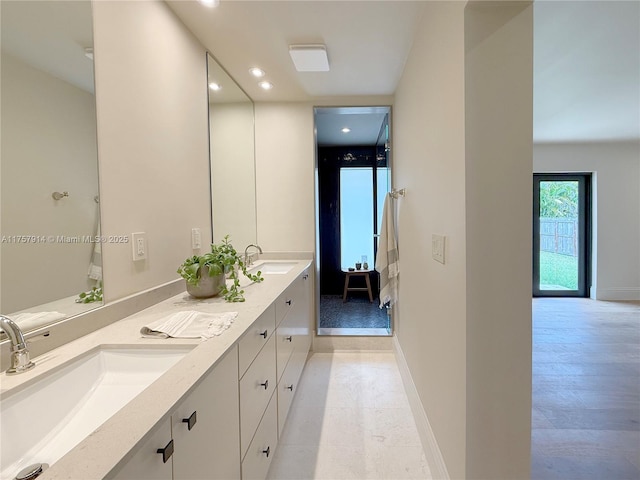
{"x": 309, "y": 58}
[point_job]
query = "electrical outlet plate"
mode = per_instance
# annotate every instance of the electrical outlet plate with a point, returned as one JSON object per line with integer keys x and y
{"x": 139, "y": 246}
{"x": 437, "y": 247}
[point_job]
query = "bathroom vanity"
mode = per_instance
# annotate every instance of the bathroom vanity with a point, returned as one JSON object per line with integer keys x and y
{"x": 216, "y": 412}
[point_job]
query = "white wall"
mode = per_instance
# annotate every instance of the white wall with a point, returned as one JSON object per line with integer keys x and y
{"x": 43, "y": 152}
{"x": 616, "y": 209}
{"x": 428, "y": 160}
{"x": 151, "y": 94}
{"x": 465, "y": 327}
{"x": 233, "y": 186}
{"x": 285, "y": 176}
{"x": 499, "y": 150}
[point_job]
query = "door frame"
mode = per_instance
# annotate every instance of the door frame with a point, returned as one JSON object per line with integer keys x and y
{"x": 584, "y": 233}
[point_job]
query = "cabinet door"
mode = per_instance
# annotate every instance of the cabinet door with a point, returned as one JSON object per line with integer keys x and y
{"x": 211, "y": 448}
{"x": 146, "y": 463}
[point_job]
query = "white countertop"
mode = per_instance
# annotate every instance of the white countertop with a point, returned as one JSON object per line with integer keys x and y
{"x": 102, "y": 450}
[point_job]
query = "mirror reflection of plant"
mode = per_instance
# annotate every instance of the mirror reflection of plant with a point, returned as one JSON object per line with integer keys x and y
{"x": 93, "y": 295}
{"x": 223, "y": 259}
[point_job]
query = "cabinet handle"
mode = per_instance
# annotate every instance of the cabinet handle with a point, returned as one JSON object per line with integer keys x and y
{"x": 304, "y": 277}
{"x": 264, "y": 334}
{"x": 191, "y": 421}
{"x": 289, "y": 338}
{"x": 288, "y": 302}
{"x": 166, "y": 451}
{"x": 265, "y": 384}
{"x": 267, "y": 451}
{"x": 290, "y": 387}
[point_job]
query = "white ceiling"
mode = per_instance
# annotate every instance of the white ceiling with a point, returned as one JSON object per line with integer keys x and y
{"x": 586, "y": 55}
{"x": 51, "y": 36}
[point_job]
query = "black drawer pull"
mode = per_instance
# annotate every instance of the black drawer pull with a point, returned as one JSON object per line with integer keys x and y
{"x": 267, "y": 451}
{"x": 265, "y": 384}
{"x": 290, "y": 387}
{"x": 288, "y": 302}
{"x": 191, "y": 421}
{"x": 264, "y": 334}
{"x": 289, "y": 338}
{"x": 166, "y": 451}
{"x": 304, "y": 277}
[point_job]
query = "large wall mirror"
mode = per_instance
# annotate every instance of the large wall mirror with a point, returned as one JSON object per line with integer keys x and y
{"x": 232, "y": 143}
{"x": 49, "y": 172}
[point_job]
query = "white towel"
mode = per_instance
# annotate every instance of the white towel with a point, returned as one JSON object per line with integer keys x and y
{"x": 189, "y": 324}
{"x": 95, "y": 264}
{"x": 387, "y": 262}
{"x": 29, "y": 321}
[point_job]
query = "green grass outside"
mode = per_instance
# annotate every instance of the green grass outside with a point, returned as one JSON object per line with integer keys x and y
{"x": 556, "y": 269}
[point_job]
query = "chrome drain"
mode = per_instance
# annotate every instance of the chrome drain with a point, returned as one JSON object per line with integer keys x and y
{"x": 32, "y": 471}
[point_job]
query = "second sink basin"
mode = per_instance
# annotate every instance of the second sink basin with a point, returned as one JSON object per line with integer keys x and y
{"x": 273, "y": 267}
{"x": 45, "y": 420}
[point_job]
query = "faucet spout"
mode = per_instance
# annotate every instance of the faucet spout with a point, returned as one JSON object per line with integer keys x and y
{"x": 247, "y": 257}
{"x": 20, "y": 356}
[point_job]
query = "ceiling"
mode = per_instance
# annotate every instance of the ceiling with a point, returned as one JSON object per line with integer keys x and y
{"x": 586, "y": 56}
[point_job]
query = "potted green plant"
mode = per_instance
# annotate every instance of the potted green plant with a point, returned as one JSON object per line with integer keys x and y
{"x": 206, "y": 274}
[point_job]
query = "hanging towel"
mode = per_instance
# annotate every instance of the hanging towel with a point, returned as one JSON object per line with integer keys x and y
{"x": 95, "y": 265}
{"x": 29, "y": 321}
{"x": 189, "y": 324}
{"x": 387, "y": 262}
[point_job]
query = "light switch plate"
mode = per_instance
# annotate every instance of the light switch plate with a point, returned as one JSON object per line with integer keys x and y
{"x": 139, "y": 246}
{"x": 196, "y": 239}
{"x": 437, "y": 247}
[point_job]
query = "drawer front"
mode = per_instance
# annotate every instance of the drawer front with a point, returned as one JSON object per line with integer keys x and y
{"x": 284, "y": 303}
{"x": 285, "y": 344}
{"x": 288, "y": 385}
{"x": 255, "y": 338}
{"x": 256, "y": 387}
{"x": 263, "y": 447}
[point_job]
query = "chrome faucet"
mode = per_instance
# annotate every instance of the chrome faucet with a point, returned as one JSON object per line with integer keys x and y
{"x": 247, "y": 257}
{"x": 20, "y": 357}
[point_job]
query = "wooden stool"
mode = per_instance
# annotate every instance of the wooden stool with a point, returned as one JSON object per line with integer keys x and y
{"x": 357, "y": 273}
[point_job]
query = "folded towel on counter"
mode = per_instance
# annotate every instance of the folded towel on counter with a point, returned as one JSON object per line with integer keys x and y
{"x": 189, "y": 324}
{"x": 28, "y": 320}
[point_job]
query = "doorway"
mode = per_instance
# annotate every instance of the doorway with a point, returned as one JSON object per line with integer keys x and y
{"x": 561, "y": 234}
{"x": 353, "y": 177}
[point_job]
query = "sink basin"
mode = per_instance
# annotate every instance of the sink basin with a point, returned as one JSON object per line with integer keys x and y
{"x": 43, "y": 421}
{"x": 274, "y": 268}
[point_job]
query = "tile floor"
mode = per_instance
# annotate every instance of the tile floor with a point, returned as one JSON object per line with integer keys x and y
{"x": 356, "y": 312}
{"x": 350, "y": 419}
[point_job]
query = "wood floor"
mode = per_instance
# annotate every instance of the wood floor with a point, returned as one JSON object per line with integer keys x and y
{"x": 586, "y": 390}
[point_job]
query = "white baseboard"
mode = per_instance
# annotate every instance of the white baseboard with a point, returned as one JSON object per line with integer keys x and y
{"x": 429, "y": 444}
{"x": 623, "y": 293}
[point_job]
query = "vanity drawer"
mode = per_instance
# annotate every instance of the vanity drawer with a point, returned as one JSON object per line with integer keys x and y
{"x": 285, "y": 344}
{"x": 256, "y": 387}
{"x": 287, "y": 300}
{"x": 255, "y": 465}
{"x": 255, "y": 338}
{"x": 288, "y": 385}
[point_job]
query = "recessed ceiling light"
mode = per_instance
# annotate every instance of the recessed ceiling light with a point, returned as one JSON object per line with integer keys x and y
{"x": 346, "y": 130}
{"x": 266, "y": 85}
{"x": 210, "y": 3}
{"x": 256, "y": 72}
{"x": 215, "y": 86}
